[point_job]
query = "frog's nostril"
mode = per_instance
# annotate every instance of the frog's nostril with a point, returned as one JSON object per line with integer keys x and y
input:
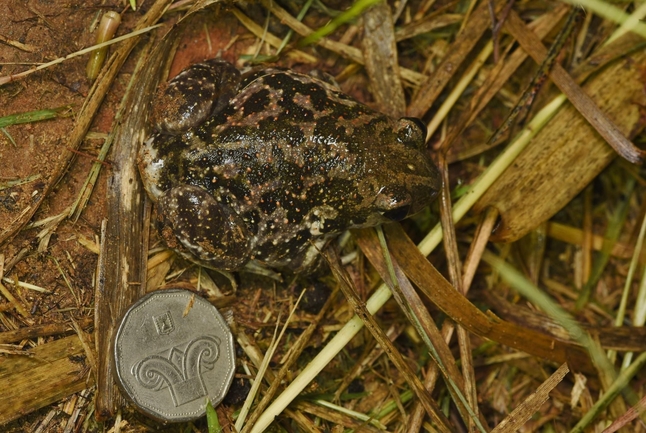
{"x": 397, "y": 214}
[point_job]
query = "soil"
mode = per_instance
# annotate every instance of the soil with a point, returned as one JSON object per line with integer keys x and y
{"x": 30, "y": 151}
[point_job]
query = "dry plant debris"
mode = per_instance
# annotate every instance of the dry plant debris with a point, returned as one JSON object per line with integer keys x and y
{"x": 549, "y": 325}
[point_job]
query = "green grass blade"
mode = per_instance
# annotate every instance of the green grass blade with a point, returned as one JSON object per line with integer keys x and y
{"x": 31, "y": 116}
{"x": 357, "y": 9}
{"x": 212, "y": 421}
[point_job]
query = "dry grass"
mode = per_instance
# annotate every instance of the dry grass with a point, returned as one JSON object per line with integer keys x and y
{"x": 548, "y": 326}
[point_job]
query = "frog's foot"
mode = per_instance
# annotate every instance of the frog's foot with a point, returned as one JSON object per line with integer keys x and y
{"x": 193, "y": 221}
{"x": 194, "y": 95}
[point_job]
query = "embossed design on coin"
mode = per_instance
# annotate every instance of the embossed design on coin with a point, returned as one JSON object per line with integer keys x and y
{"x": 168, "y": 363}
{"x": 164, "y": 323}
{"x": 181, "y": 371}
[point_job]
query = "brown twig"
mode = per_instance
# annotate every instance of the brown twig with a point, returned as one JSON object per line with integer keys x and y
{"x": 45, "y": 330}
{"x": 418, "y": 315}
{"x": 455, "y": 274}
{"x": 431, "y": 407}
{"x": 457, "y": 53}
{"x": 441, "y": 293}
{"x": 498, "y": 76}
{"x": 529, "y": 95}
{"x": 584, "y": 104}
{"x": 91, "y": 157}
{"x": 483, "y": 232}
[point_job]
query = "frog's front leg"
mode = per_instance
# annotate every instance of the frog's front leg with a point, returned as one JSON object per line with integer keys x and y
{"x": 193, "y": 220}
{"x": 195, "y": 94}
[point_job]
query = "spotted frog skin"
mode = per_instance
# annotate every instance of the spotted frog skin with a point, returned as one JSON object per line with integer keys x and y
{"x": 271, "y": 165}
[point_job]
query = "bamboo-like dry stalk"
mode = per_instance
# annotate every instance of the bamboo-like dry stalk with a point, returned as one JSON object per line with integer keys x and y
{"x": 123, "y": 259}
{"x": 52, "y": 372}
{"x": 570, "y": 152}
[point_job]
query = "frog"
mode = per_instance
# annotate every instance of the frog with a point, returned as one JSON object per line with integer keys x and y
{"x": 269, "y": 165}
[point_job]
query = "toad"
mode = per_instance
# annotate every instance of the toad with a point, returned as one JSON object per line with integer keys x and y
{"x": 272, "y": 164}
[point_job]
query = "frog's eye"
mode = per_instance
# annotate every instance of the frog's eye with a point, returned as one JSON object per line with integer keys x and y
{"x": 397, "y": 214}
{"x": 411, "y": 132}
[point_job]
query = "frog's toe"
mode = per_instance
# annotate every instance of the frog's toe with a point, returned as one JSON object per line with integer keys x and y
{"x": 193, "y": 221}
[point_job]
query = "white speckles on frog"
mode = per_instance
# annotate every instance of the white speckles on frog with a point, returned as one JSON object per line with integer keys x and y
{"x": 271, "y": 165}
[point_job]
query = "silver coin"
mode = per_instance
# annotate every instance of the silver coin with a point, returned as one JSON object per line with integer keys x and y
{"x": 171, "y": 355}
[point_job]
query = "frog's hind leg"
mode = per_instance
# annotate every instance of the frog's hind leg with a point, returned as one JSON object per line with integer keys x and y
{"x": 193, "y": 221}
{"x": 194, "y": 95}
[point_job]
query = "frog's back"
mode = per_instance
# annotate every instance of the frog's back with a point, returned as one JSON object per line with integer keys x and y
{"x": 299, "y": 162}
{"x": 285, "y": 131}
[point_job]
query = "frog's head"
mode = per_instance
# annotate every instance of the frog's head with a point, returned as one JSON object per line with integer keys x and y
{"x": 409, "y": 180}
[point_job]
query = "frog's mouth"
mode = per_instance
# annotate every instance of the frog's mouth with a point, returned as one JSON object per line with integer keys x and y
{"x": 396, "y": 204}
{"x": 398, "y": 214}
{"x": 393, "y": 203}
